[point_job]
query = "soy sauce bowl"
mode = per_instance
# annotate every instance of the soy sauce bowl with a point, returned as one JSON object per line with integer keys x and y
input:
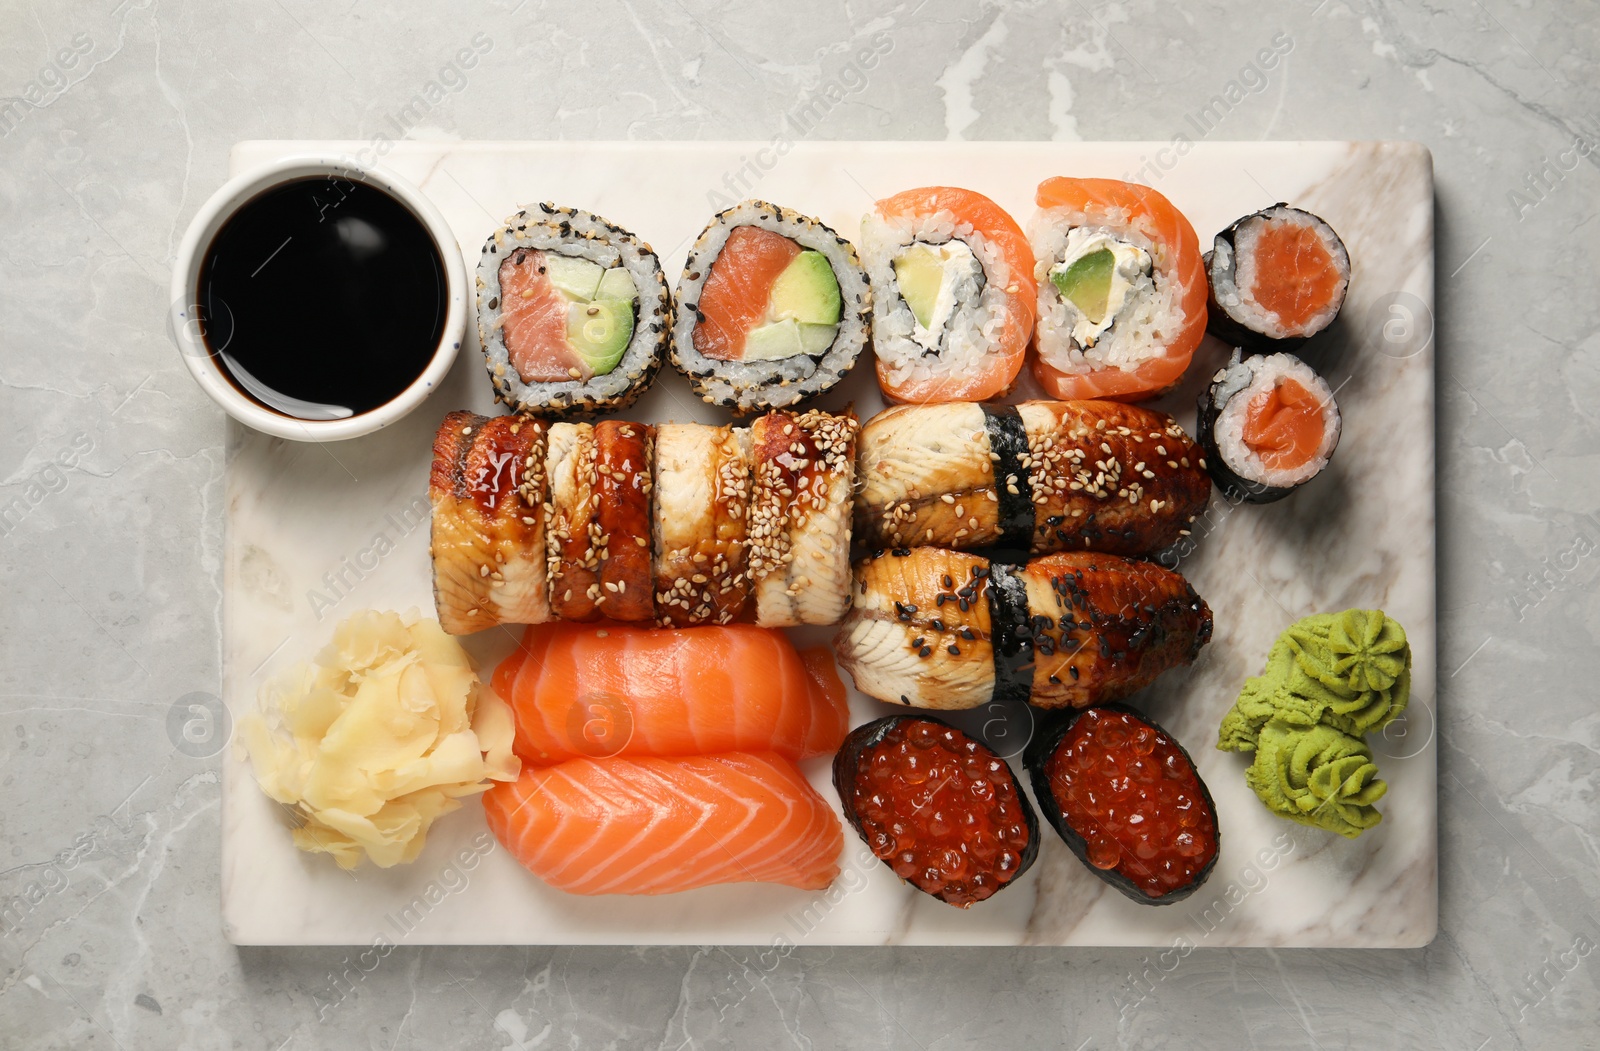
{"x": 205, "y": 334}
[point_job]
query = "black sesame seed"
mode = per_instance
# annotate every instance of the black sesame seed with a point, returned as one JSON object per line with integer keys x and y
{"x": 925, "y": 652}
{"x": 953, "y": 650}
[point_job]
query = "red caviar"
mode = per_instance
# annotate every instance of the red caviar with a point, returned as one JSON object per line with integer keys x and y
{"x": 942, "y": 810}
{"x": 1135, "y": 798}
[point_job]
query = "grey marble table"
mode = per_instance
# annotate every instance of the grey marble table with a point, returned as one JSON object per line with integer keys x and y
{"x": 115, "y": 122}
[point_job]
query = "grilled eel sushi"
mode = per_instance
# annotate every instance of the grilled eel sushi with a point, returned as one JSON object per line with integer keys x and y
{"x": 802, "y": 473}
{"x": 488, "y": 529}
{"x": 1038, "y": 477}
{"x": 932, "y": 628}
{"x": 598, "y": 520}
{"x": 701, "y": 510}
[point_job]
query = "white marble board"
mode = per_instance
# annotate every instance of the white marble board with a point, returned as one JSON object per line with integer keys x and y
{"x": 314, "y": 533}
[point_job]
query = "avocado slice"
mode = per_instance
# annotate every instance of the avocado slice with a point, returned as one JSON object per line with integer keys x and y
{"x": 616, "y": 283}
{"x": 816, "y": 339}
{"x": 577, "y": 279}
{"x": 806, "y": 292}
{"x": 919, "y": 271}
{"x": 773, "y": 341}
{"x": 599, "y": 331}
{"x": 1087, "y": 283}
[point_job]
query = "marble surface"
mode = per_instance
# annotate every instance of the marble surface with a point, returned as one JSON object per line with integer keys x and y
{"x": 302, "y": 526}
{"x": 112, "y": 477}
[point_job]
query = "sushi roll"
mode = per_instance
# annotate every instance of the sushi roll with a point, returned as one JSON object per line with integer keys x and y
{"x": 573, "y": 312}
{"x": 1034, "y": 478}
{"x": 1268, "y": 425}
{"x": 774, "y": 308}
{"x": 598, "y": 520}
{"x": 1127, "y": 799}
{"x": 931, "y": 628}
{"x": 802, "y": 471}
{"x": 953, "y": 295}
{"x": 1277, "y": 277}
{"x": 701, "y": 510}
{"x": 939, "y": 808}
{"x": 488, "y": 524}
{"x": 1122, "y": 290}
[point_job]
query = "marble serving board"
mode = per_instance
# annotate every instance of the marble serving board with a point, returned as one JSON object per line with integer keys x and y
{"x": 317, "y": 532}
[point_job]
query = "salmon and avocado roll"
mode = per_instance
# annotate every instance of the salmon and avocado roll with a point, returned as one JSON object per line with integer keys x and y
{"x": 1277, "y": 278}
{"x": 1122, "y": 290}
{"x": 775, "y": 309}
{"x": 1268, "y": 425}
{"x": 573, "y": 312}
{"x": 953, "y": 295}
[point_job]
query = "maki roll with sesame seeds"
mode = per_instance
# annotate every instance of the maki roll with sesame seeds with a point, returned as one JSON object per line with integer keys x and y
{"x": 1126, "y": 797}
{"x": 1268, "y": 425}
{"x": 1033, "y": 478}
{"x": 931, "y": 628}
{"x": 942, "y": 810}
{"x": 1276, "y": 277}
{"x": 701, "y": 513}
{"x": 487, "y": 537}
{"x": 802, "y": 475}
{"x": 598, "y": 520}
{"x": 573, "y": 312}
{"x": 774, "y": 308}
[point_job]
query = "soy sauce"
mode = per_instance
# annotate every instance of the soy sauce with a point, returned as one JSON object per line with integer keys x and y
{"x": 322, "y": 298}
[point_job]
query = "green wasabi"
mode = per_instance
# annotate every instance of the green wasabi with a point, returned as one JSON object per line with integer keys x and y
{"x": 1329, "y": 679}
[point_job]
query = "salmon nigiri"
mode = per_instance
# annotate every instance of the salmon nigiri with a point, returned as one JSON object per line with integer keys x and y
{"x": 1122, "y": 290}
{"x": 608, "y": 690}
{"x": 954, "y": 303}
{"x": 657, "y": 826}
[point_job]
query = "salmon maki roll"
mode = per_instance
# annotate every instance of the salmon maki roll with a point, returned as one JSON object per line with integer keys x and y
{"x": 658, "y": 826}
{"x": 802, "y": 477}
{"x": 598, "y": 515}
{"x": 1122, "y": 290}
{"x": 582, "y": 690}
{"x": 932, "y": 628}
{"x": 574, "y": 312}
{"x": 1277, "y": 278}
{"x": 953, "y": 295}
{"x": 774, "y": 309}
{"x": 488, "y": 526}
{"x": 1268, "y": 425}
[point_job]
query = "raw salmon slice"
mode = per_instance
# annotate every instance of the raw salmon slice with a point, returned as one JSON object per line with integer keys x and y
{"x": 534, "y": 315}
{"x": 593, "y": 691}
{"x": 658, "y": 826}
{"x": 738, "y": 288}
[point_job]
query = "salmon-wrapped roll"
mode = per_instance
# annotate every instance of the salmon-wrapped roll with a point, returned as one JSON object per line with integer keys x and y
{"x": 803, "y": 472}
{"x": 945, "y": 629}
{"x": 488, "y": 531}
{"x": 598, "y": 534}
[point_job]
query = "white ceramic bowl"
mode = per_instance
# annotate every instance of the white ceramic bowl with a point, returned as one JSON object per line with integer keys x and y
{"x": 187, "y": 326}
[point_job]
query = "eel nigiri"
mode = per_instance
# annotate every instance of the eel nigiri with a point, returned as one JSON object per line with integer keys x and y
{"x": 932, "y": 628}
{"x": 488, "y": 526}
{"x": 1122, "y": 290}
{"x": 587, "y": 690}
{"x": 657, "y": 826}
{"x": 1038, "y": 477}
{"x": 953, "y": 295}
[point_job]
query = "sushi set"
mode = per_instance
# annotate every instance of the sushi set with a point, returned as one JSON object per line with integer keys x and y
{"x": 893, "y": 556}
